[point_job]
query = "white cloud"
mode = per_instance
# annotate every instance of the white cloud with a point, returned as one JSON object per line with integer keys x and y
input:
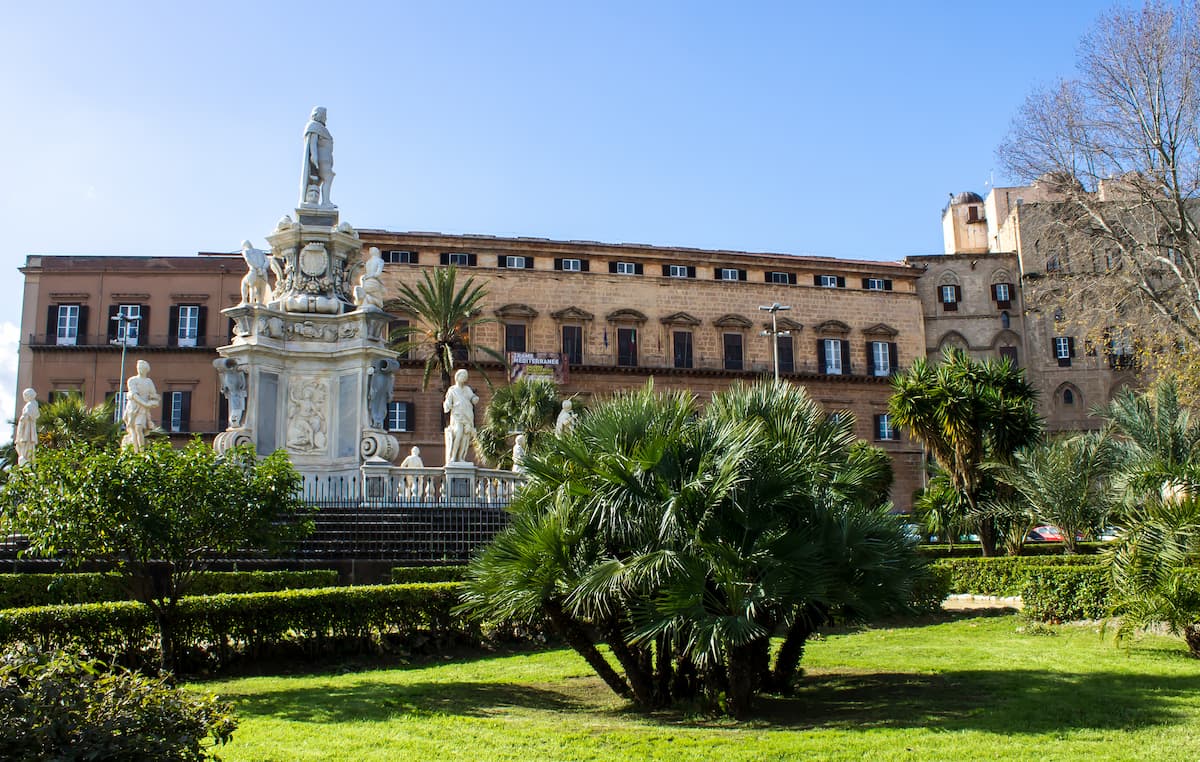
{"x": 10, "y": 343}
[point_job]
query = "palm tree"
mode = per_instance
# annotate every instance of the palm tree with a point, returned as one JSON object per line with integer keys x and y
{"x": 527, "y": 405}
{"x": 446, "y": 314}
{"x": 67, "y": 420}
{"x": 1064, "y": 481}
{"x": 965, "y": 413}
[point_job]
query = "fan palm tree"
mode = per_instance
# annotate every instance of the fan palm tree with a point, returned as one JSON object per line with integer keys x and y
{"x": 526, "y": 405}
{"x": 965, "y": 413}
{"x": 446, "y": 315}
{"x": 68, "y": 420}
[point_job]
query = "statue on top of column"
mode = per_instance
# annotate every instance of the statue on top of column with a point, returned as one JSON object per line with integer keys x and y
{"x": 318, "y": 162}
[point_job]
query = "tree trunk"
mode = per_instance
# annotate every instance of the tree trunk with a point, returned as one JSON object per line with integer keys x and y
{"x": 664, "y": 673}
{"x": 1191, "y": 636}
{"x": 987, "y": 532}
{"x": 787, "y": 661}
{"x": 685, "y": 683}
{"x": 640, "y": 680}
{"x": 741, "y": 680}
{"x": 577, "y": 639}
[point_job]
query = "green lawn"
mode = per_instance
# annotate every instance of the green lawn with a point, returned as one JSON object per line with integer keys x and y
{"x": 969, "y": 689}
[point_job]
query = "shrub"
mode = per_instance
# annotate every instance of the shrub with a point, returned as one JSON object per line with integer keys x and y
{"x": 57, "y": 706}
{"x": 221, "y": 627}
{"x": 931, "y": 589}
{"x": 1003, "y": 576}
{"x": 402, "y": 575}
{"x": 971, "y": 550}
{"x": 1066, "y": 593}
{"x": 24, "y": 590}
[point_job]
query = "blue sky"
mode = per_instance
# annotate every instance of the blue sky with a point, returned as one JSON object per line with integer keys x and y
{"x": 169, "y": 128}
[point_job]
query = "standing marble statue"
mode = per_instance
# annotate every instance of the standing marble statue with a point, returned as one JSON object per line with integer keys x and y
{"x": 370, "y": 291}
{"x": 380, "y": 382}
{"x": 460, "y": 404}
{"x": 318, "y": 162}
{"x": 566, "y": 419}
{"x": 256, "y": 289}
{"x": 25, "y": 440}
{"x": 140, "y": 397}
{"x": 233, "y": 387}
{"x": 518, "y": 454}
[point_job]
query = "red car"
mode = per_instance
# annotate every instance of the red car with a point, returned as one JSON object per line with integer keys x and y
{"x": 1045, "y": 533}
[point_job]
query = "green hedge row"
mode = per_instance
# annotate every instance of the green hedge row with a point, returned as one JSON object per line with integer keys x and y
{"x": 1003, "y": 576}
{"x": 220, "y": 627}
{"x": 1067, "y": 593}
{"x": 402, "y": 575}
{"x": 24, "y": 590}
{"x": 1029, "y": 549}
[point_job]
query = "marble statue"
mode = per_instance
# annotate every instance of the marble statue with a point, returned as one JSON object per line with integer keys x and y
{"x": 256, "y": 289}
{"x": 318, "y": 162}
{"x": 233, "y": 387}
{"x": 25, "y": 440}
{"x": 381, "y": 379}
{"x": 566, "y": 419}
{"x": 370, "y": 291}
{"x": 518, "y": 455}
{"x": 460, "y": 404}
{"x": 141, "y": 397}
{"x": 413, "y": 460}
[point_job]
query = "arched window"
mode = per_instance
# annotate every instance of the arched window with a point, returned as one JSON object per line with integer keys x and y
{"x": 1068, "y": 397}
{"x": 1005, "y": 321}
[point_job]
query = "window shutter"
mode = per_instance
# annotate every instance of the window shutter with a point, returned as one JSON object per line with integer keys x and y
{"x": 845, "y": 357}
{"x": 202, "y": 326}
{"x": 864, "y": 282}
{"x": 112, "y": 324}
{"x": 612, "y": 267}
{"x": 1071, "y": 346}
{"x": 816, "y": 280}
{"x": 995, "y": 293}
{"x": 143, "y": 325}
{"x": 717, "y": 273}
{"x": 637, "y": 268}
{"x": 887, "y": 284}
{"x": 558, "y": 263}
{"x": 51, "y": 323}
{"x": 791, "y": 279}
{"x": 741, "y": 275}
{"x": 583, "y": 266}
{"x": 691, "y": 271}
{"x": 870, "y": 358}
{"x": 841, "y": 281}
{"x": 767, "y": 276}
{"x": 410, "y": 416}
{"x": 501, "y": 260}
{"x": 445, "y": 258}
{"x": 666, "y": 269}
{"x": 81, "y": 334}
{"x": 893, "y": 357}
{"x": 878, "y": 419}
{"x": 173, "y": 326}
{"x": 185, "y": 411}
{"x": 821, "y": 364}
{"x": 472, "y": 260}
{"x": 168, "y": 398}
{"x": 958, "y": 293}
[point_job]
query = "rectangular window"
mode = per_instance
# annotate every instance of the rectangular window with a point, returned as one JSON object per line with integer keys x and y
{"x": 1064, "y": 350}
{"x": 881, "y": 358}
{"x": 951, "y": 296}
{"x": 1009, "y": 353}
{"x": 514, "y": 337}
{"x": 779, "y": 277}
{"x": 877, "y": 284}
{"x": 626, "y": 268}
{"x": 884, "y": 431}
{"x": 627, "y": 355}
{"x": 572, "y": 344}
{"x": 400, "y": 257}
{"x": 727, "y": 273}
{"x": 68, "y": 325}
{"x": 827, "y": 281}
{"x": 130, "y": 324}
{"x": 832, "y": 352}
{"x": 682, "y": 344}
{"x": 677, "y": 271}
{"x": 571, "y": 265}
{"x": 189, "y": 325}
{"x": 1002, "y": 292}
{"x": 400, "y": 417}
{"x": 459, "y": 259}
{"x": 787, "y": 354}
{"x": 514, "y": 262}
{"x": 118, "y": 400}
{"x": 733, "y": 351}
{"x": 175, "y": 411}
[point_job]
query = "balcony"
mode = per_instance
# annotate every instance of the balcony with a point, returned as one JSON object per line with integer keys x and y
{"x": 158, "y": 341}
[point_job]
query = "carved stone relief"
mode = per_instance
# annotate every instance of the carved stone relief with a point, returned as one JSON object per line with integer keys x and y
{"x": 307, "y": 425}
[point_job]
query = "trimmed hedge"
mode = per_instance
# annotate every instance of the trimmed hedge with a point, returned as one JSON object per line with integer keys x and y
{"x": 971, "y": 550}
{"x": 1066, "y": 593}
{"x": 221, "y": 627}
{"x": 24, "y": 590}
{"x": 402, "y": 575}
{"x": 1003, "y": 576}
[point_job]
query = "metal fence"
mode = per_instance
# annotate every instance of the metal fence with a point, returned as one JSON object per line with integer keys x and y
{"x": 352, "y": 524}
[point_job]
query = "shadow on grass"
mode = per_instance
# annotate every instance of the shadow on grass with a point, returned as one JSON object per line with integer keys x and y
{"x": 1008, "y": 702}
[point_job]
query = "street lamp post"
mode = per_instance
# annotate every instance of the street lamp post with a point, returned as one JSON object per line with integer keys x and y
{"x": 123, "y": 321}
{"x": 775, "y": 333}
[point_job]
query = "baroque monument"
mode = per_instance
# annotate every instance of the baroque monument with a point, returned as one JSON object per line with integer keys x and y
{"x": 309, "y": 369}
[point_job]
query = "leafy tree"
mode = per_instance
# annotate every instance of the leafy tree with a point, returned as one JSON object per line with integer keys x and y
{"x": 685, "y": 541}
{"x": 965, "y": 413}
{"x": 1064, "y": 481}
{"x": 157, "y": 517}
{"x": 68, "y": 420}
{"x": 446, "y": 316}
{"x": 58, "y": 706}
{"x": 530, "y": 406}
{"x": 1117, "y": 148}
{"x": 939, "y": 507}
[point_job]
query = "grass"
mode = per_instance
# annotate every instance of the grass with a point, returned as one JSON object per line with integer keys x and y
{"x": 972, "y": 688}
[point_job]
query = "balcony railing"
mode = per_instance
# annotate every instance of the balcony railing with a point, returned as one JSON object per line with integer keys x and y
{"x": 102, "y": 341}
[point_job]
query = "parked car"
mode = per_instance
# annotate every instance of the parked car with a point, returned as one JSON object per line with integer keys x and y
{"x": 1045, "y": 533}
{"x": 1109, "y": 533}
